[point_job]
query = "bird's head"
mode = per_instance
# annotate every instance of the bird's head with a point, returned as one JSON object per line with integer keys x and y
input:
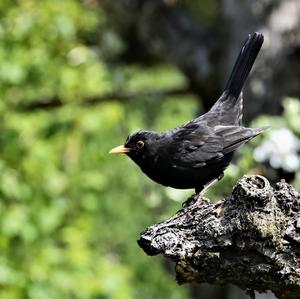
{"x": 139, "y": 146}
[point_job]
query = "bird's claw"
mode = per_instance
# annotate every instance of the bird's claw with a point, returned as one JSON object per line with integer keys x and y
{"x": 193, "y": 199}
{"x": 190, "y": 201}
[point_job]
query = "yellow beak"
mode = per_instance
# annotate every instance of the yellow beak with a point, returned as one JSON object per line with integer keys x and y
{"x": 120, "y": 150}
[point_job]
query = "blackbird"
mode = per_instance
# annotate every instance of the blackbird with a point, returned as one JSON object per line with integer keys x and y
{"x": 195, "y": 154}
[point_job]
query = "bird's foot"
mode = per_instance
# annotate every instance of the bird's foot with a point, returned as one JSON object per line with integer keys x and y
{"x": 206, "y": 187}
{"x": 190, "y": 201}
{"x": 198, "y": 197}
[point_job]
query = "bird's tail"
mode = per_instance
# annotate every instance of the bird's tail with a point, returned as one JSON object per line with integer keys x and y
{"x": 228, "y": 109}
{"x": 243, "y": 64}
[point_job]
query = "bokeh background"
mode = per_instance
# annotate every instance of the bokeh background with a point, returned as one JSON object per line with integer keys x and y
{"x": 76, "y": 77}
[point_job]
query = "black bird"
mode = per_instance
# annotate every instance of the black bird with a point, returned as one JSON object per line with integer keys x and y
{"x": 195, "y": 154}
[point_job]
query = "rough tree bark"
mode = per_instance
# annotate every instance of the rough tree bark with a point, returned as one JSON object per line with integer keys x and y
{"x": 250, "y": 239}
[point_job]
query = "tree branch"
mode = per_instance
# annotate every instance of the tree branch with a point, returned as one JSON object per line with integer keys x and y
{"x": 250, "y": 239}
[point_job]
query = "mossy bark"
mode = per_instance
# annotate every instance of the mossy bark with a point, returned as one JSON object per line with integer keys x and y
{"x": 250, "y": 239}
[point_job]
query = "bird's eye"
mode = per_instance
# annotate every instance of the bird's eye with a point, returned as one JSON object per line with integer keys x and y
{"x": 140, "y": 144}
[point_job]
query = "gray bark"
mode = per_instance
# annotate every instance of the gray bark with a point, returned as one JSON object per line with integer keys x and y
{"x": 250, "y": 239}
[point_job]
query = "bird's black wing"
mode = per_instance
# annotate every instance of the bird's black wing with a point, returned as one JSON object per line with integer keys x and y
{"x": 235, "y": 136}
{"x": 195, "y": 146}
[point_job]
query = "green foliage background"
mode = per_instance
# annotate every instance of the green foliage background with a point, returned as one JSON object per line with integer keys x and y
{"x": 70, "y": 214}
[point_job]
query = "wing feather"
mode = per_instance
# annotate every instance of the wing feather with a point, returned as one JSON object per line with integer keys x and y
{"x": 195, "y": 146}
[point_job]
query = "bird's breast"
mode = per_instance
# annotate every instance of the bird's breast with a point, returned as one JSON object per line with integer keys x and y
{"x": 172, "y": 174}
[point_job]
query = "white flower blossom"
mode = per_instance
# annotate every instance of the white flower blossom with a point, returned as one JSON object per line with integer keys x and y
{"x": 280, "y": 150}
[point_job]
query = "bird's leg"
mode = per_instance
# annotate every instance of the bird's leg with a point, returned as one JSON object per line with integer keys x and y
{"x": 206, "y": 187}
{"x": 211, "y": 183}
{"x": 199, "y": 195}
{"x": 190, "y": 201}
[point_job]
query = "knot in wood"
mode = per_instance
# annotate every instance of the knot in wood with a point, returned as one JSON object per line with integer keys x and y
{"x": 253, "y": 190}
